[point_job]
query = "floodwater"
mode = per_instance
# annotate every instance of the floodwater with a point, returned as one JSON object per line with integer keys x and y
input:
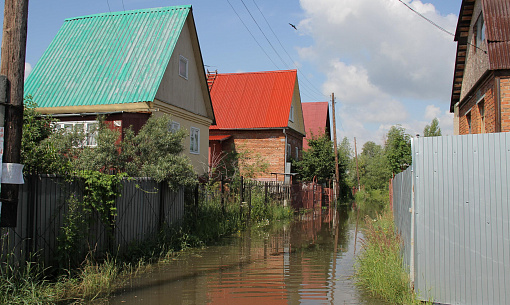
{"x": 306, "y": 261}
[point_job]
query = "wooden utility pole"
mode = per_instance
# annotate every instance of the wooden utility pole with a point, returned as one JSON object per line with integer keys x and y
{"x": 337, "y": 175}
{"x": 356, "y": 155}
{"x": 14, "y": 41}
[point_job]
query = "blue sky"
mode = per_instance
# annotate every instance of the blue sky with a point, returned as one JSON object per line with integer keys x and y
{"x": 385, "y": 64}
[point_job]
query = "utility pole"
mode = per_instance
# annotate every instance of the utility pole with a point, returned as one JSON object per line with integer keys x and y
{"x": 14, "y": 43}
{"x": 337, "y": 175}
{"x": 356, "y": 155}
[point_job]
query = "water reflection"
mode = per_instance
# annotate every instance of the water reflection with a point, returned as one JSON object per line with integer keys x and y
{"x": 308, "y": 261}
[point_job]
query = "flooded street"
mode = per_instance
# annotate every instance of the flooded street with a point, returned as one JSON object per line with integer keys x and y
{"x": 307, "y": 261}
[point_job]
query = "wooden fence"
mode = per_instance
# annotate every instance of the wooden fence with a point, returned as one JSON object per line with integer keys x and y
{"x": 143, "y": 207}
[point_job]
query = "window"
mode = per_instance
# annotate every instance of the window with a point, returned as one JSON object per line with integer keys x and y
{"x": 297, "y": 153}
{"x": 289, "y": 152}
{"x": 468, "y": 118}
{"x": 183, "y": 67}
{"x": 481, "y": 110}
{"x": 291, "y": 115}
{"x": 174, "y": 127}
{"x": 194, "y": 140}
{"x": 479, "y": 31}
{"x": 89, "y": 128}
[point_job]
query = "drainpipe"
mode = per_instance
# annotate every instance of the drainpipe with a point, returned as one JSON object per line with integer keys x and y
{"x": 285, "y": 159}
{"x": 498, "y": 104}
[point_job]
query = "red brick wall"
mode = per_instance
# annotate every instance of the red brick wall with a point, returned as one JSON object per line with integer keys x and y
{"x": 505, "y": 104}
{"x": 471, "y": 107}
{"x": 266, "y": 145}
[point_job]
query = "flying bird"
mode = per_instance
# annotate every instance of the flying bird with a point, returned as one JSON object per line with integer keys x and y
{"x": 295, "y": 28}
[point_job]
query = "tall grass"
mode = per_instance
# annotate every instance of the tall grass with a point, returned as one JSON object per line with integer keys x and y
{"x": 379, "y": 268}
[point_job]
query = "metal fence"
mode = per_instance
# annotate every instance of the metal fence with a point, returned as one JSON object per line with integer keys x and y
{"x": 457, "y": 237}
{"x": 143, "y": 207}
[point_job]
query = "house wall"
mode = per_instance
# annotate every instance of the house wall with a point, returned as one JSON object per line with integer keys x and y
{"x": 477, "y": 62}
{"x": 184, "y": 93}
{"x": 486, "y": 94}
{"x": 267, "y": 146}
{"x": 299, "y": 123}
{"x": 186, "y": 121}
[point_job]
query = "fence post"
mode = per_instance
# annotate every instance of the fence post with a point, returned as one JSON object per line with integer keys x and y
{"x": 241, "y": 192}
{"x": 161, "y": 205}
{"x": 222, "y": 190}
{"x": 196, "y": 203}
{"x": 265, "y": 193}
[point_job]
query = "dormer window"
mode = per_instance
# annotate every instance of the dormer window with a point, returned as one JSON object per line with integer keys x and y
{"x": 183, "y": 67}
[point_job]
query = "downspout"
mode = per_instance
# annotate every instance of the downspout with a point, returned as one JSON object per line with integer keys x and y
{"x": 285, "y": 159}
{"x": 498, "y": 104}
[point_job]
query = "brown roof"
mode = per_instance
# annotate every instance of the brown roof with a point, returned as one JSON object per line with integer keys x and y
{"x": 496, "y": 15}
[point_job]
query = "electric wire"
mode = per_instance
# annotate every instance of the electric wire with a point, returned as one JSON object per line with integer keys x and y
{"x": 317, "y": 91}
{"x": 437, "y": 26}
{"x": 253, "y": 35}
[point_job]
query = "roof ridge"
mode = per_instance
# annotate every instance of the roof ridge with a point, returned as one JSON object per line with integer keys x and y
{"x": 120, "y": 13}
{"x": 259, "y": 72}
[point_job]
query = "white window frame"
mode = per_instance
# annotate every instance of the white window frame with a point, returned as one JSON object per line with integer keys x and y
{"x": 291, "y": 115}
{"x": 90, "y": 139}
{"x": 194, "y": 140}
{"x": 183, "y": 61}
{"x": 174, "y": 127}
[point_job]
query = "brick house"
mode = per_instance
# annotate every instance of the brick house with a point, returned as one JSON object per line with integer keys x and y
{"x": 316, "y": 118}
{"x": 258, "y": 114}
{"x": 481, "y": 86}
{"x": 127, "y": 66}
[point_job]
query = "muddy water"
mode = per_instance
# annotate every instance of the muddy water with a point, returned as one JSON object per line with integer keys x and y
{"x": 307, "y": 261}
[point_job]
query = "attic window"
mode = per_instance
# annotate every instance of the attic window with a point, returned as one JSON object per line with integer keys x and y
{"x": 479, "y": 31}
{"x": 291, "y": 115}
{"x": 183, "y": 67}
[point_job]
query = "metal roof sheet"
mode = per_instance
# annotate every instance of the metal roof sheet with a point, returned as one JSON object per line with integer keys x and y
{"x": 253, "y": 100}
{"x": 110, "y": 58}
{"x": 316, "y": 117}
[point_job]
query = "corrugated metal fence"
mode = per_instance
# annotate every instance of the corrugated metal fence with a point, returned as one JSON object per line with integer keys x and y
{"x": 144, "y": 205}
{"x": 461, "y": 218}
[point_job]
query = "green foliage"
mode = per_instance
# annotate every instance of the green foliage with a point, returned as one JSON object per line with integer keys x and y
{"x": 398, "y": 149}
{"x": 379, "y": 267}
{"x": 432, "y": 130}
{"x": 318, "y": 161}
{"x": 370, "y": 201}
{"x": 374, "y": 167}
{"x": 71, "y": 248}
{"x": 100, "y": 192}
{"x": 156, "y": 153}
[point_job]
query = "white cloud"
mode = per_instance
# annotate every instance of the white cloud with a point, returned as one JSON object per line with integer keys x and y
{"x": 376, "y": 54}
{"x": 431, "y": 112}
{"x": 28, "y": 69}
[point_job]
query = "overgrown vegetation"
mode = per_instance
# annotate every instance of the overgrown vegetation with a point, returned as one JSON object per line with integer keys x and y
{"x": 379, "y": 268}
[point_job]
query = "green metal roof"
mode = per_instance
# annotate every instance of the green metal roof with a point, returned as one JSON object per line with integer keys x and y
{"x": 110, "y": 58}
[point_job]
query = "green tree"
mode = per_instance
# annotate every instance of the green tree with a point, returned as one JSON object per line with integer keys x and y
{"x": 374, "y": 167}
{"x": 398, "y": 149}
{"x": 432, "y": 130}
{"x": 318, "y": 160}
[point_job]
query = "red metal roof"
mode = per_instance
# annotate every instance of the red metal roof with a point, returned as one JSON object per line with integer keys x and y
{"x": 219, "y": 137}
{"x": 316, "y": 117}
{"x": 253, "y": 100}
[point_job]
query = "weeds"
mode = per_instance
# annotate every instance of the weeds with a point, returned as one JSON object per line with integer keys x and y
{"x": 379, "y": 268}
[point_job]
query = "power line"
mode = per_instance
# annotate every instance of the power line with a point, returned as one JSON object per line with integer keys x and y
{"x": 252, "y": 35}
{"x": 285, "y": 50}
{"x": 438, "y": 26}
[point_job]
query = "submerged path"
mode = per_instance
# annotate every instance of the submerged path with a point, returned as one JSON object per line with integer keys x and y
{"x": 307, "y": 261}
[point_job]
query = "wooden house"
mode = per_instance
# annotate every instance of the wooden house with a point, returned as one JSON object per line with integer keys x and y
{"x": 127, "y": 66}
